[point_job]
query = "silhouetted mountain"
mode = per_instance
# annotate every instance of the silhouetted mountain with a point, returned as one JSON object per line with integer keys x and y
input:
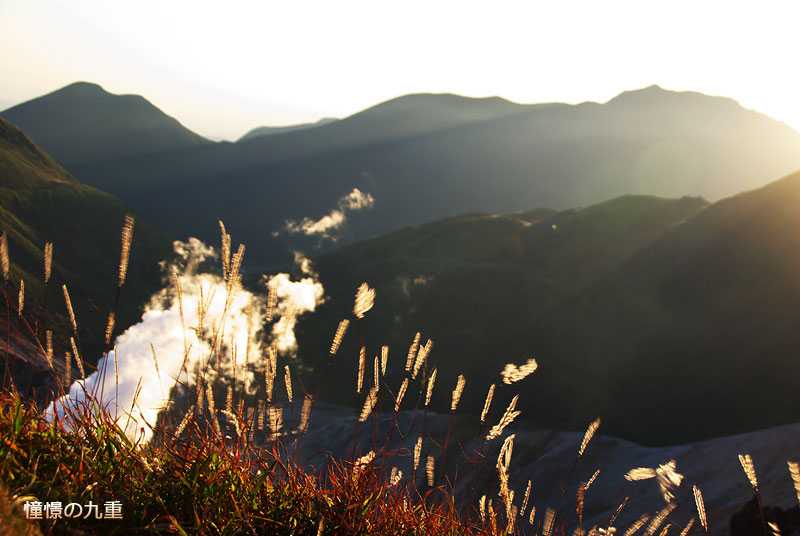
{"x": 672, "y": 320}
{"x": 83, "y": 123}
{"x": 40, "y": 202}
{"x": 267, "y": 131}
{"x": 424, "y": 157}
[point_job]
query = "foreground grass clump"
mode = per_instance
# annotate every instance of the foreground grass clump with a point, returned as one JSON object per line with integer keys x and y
{"x": 197, "y": 484}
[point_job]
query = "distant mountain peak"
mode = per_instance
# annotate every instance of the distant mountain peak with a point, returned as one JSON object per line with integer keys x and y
{"x": 82, "y": 122}
{"x": 655, "y": 94}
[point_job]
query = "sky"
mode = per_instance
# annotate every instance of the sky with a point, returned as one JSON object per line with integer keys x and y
{"x": 223, "y": 68}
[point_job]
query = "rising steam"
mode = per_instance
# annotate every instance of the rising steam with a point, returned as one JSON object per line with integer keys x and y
{"x": 197, "y": 318}
{"x": 334, "y": 220}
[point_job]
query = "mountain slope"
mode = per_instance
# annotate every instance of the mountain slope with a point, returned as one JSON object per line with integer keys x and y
{"x": 473, "y": 283}
{"x": 40, "y": 202}
{"x": 672, "y": 320}
{"x": 268, "y": 131}
{"x": 424, "y": 157}
{"x": 83, "y": 123}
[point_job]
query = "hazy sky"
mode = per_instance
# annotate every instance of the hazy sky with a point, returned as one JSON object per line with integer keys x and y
{"x": 222, "y": 68}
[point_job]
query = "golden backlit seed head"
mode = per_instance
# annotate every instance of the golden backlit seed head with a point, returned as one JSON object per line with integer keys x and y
{"x": 794, "y": 471}
{"x": 457, "y": 392}
{"x": 487, "y": 403}
{"x": 749, "y": 470}
{"x": 365, "y": 299}
{"x": 48, "y": 260}
{"x": 400, "y": 394}
{"x": 127, "y": 236}
{"x": 6, "y": 264}
{"x": 429, "y": 391}
{"x": 412, "y": 352}
{"x": 701, "y": 508}
{"x": 588, "y": 436}
{"x": 512, "y": 373}
{"x": 508, "y": 417}
{"x": 337, "y": 338}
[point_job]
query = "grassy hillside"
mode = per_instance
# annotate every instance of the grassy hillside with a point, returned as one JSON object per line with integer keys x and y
{"x": 424, "y": 157}
{"x": 83, "y": 123}
{"x": 40, "y": 202}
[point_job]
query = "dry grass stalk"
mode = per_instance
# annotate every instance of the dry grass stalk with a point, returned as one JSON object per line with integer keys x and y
{"x": 659, "y": 518}
{"x": 362, "y": 363}
{"x": 260, "y": 419}
{"x": 512, "y": 373}
{"x": 532, "y": 515}
{"x": 229, "y": 399}
{"x": 665, "y": 474}
{"x": 362, "y": 463}
{"x": 701, "y": 508}
{"x": 549, "y": 517}
{"x": 376, "y": 373}
{"x": 487, "y": 403}
{"x": 460, "y": 382}
{"x": 395, "y": 476}
{"x": 369, "y": 404}
{"x": 525, "y": 499}
{"x": 275, "y": 421}
{"x": 688, "y": 527}
{"x": 184, "y": 422}
{"x": 588, "y": 436}
{"x": 508, "y": 417}
{"x": 429, "y": 391}
{"x": 400, "y": 394}
{"x": 49, "y": 347}
{"x": 482, "y": 508}
{"x": 639, "y": 523}
{"x": 48, "y": 261}
{"x": 794, "y": 470}
{"x": 581, "y": 494}
{"x": 618, "y": 510}
{"x": 21, "y": 300}
{"x": 68, "y": 368}
{"x": 429, "y": 467}
{"x": 272, "y": 302}
{"x": 365, "y": 299}
{"x": 592, "y": 479}
{"x": 4, "y": 255}
{"x": 412, "y": 352}
{"x": 305, "y": 414}
{"x": 212, "y": 410}
{"x": 665, "y": 529}
{"x": 640, "y": 473}
{"x": 776, "y": 531}
{"x": 287, "y": 378}
{"x": 110, "y": 327}
{"x": 77, "y": 355}
{"x": 341, "y": 329}
{"x": 225, "y": 250}
{"x": 69, "y": 308}
{"x": 127, "y": 236}
{"x": 417, "y": 452}
{"x": 384, "y": 359}
{"x": 503, "y": 463}
{"x": 422, "y": 355}
{"x": 749, "y": 470}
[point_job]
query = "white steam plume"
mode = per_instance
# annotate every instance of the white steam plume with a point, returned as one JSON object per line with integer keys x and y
{"x": 173, "y": 334}
{"x": 334, "y": 220}
{"x": 294, "y": 299}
